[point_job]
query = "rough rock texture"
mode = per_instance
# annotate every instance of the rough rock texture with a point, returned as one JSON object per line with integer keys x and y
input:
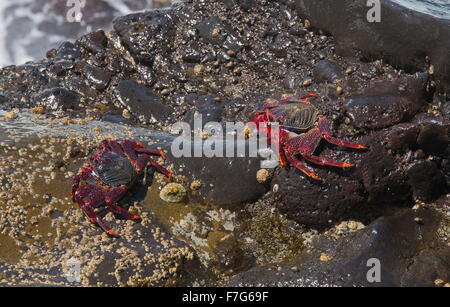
{"x": 381, "y": 176}
{"x": 387, "y": 103}
{"x": 218, "y": 176}
{"x": 403, "y": 37}
{"x": 141, "y": 101}
{"x": 409, "y": 253}
{"x": 221, "y": 60}
{"x": 158, "y": 25}
{"x": 326, "y": 71}
{"x": 57, "y": 99}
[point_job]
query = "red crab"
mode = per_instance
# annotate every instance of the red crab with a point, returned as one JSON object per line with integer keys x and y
{"x": 112, "y": 172}
{"x": 300, "y": 130}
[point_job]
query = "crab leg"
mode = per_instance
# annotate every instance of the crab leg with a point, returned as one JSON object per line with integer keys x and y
{"x": 326, "y": 161}
{"x": 95, "y": 218}
{"x": 301, "y": 99}
{"x": 300, "y": 166}
{"x": 84, "y": 174}
{"x": 110, "y": 145}
{"x": 112, "y": 196}
{"x": 144, "y": 159}
{"x": 343, "y": 143}
{"x": 325, "y": 130}
{"x": 123, "y": 212}
{"x": 152, "y": 152}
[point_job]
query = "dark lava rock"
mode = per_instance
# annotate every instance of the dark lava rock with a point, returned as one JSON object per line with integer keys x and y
{"x": 290, "y": 82}
{"x": 68, "y": 51}
{"x": 365, "y": 192}
{"x": 98, "y": 77}
{"x": 427, "y": 180}
{"x": 146, "y": 34}
{"x": 36, "y": 81}
{"x": 3, "y": 99}
{"x": 94, "y": 41}
{"x": 246, "y": 5}
{"x": 387, "y": 103}
{"x": 220, "y": 175}
{"x": 315, "y": 204}
{"x": 79, "y": 85}
{"x": 217, "y": 33}
{"x": 402, "y": 137}
{"x": 141, "y": 101}
{"x": 58, "y": 68}
{"x": 409, "y": 254}
{"x": 192, "y": 53}
{"x": 206, "y": 106}
{"x": 403, "y": 37}
{"x": 298, "y": 31}
{"x": 433, "y": 138}
{"x": 383, "y": 179}
{"x": 117, "y": 119}
{"x": 280, "y": 46}
{"x": 327, "y": 71}
{"x": 57, "y": 98}
{"x": 379, "y": 111}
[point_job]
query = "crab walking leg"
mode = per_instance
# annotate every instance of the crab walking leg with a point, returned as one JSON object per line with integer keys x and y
{"x": 85, "y": 174}
{"x": 112, "y": 196}
{"x": 88, "y": 210}
{"x": 111, "y": 145}
{"x": 343, "y": 143}
{"x": 301, "y": 99}
{"x": 325, "y": 161}
{"x": 152, "y": 152}
{"x": 325, "y": 130}
{"x": 300, "y": 166}
{"x": 143, "y": 160}
{"x": 302, "y": 144}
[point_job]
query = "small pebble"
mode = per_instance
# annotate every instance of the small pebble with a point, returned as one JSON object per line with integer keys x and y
{"x": 325, "y": 257}
{"x": 262, "y": 175}
{"x": 418, "y": 220}
{"x": 173, "y": 193}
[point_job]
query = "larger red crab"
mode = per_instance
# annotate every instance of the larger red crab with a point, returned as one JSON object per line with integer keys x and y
{"x": 112, "y": 172}
{"x": 300, "y": 130}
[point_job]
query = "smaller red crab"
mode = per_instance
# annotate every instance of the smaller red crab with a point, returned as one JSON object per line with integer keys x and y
{"x": 112, "y": 172}
{"x": 300, "y": 130}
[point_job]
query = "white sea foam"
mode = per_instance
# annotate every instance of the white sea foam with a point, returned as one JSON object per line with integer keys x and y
{"x": 22, "y": 41}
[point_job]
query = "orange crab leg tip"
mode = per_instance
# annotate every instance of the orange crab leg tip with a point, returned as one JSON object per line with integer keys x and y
{"x": 136, "y": 217}
{"x": 170, "y": 176}
{"x": 312, "y": 95}
{"x": 314, "y": 176}
{"x": 348, "y": 165}
{"x": 112, "y": 233}
{"x": 361, "y": 147}
{"x": 163, "y": 154}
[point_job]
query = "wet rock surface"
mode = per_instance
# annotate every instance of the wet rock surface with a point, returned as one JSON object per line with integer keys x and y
{"x": 141, "y": 101}
{"x": 218, "y": 175}
{"x": 145, "y": 34}
{"x": 387, "y": 103}
{"x": 409, "y": 254}
{"x": 405, "y": 37}
{"x": 326, "y": 71}
{"x": 58, "y": 98}
{"x": 221, "y": 60}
